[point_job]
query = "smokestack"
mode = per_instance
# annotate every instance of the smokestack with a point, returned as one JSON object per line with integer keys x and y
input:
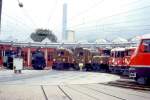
{"x": 64, "y": 23}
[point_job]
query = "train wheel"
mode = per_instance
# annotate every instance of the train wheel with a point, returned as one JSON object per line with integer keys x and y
{"x": 125, "y": 72}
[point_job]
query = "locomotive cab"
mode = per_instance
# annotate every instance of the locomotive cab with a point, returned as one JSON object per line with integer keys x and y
{"x": 63, "y": 59}
{"x": 126, "y": 60}
{"x": 140, "y": 62}
{"x": 83, "y": 56}
{"x": 116, "y": 60}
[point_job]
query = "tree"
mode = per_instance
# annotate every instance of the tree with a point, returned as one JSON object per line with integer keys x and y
{"x": 40, "y": 34}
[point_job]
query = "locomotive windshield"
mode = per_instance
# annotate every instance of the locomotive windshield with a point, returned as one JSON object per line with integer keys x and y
{"x": 81, "y": 54}
{"x": 146, "y": 44}
{"x": 120, "y": 54}
{"x": 62, "y": 53}
{"x": 106, "y": 52}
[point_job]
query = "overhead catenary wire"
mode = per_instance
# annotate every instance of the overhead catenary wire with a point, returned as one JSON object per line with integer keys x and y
{"x": 78, "y": 15}
{"x": 115, "y": 23}
{"x": 18, "y": 21}
{"x": 106, "y": 17}
{"x": 51, "y": 14}
{"x": 90, "y": 8}
{"x": 26, "y": 13}
{"x": 29, "y": 17}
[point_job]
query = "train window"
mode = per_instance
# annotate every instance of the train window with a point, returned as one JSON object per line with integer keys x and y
{"x": 122, "y": 54}
{"x": 81, "y": 54}
{"x": 116, "y": 54}
{"x": 130, "y": 52}
{"x": 126, "y": 53}
{"x": 0, "y": 52}
{"x": 146, "y": 44}
{"x": 106, "y": 52}
{"x": 62, "y": 53}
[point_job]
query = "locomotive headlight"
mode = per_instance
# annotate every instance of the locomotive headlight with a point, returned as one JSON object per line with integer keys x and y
{"x": 64, "y": 59}
{"x": 101, "y": 61}
{"x": 59, "y": 54}
{"x": 89, "y": 61}
{"x": 54, "y": 59}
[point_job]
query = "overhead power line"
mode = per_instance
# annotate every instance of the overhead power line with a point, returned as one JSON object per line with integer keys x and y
{"x": 90, "y": 8}
{"x": 96, "y": 5}
{"x": 53, "y": 11}
{"x": 114, "y": 23}
{"x": 17, "y": 20}
{"x": 130, "y": 11}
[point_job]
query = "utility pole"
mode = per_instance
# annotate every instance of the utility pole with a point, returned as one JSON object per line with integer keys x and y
{"x": 0, "y": 13}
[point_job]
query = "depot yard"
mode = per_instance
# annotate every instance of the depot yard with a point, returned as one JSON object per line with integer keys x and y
{"x": 65, "y": 85}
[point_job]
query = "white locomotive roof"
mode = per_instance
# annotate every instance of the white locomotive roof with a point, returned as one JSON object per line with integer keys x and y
{"x": 130, "y": 48}
{"x": 118, "y": 49}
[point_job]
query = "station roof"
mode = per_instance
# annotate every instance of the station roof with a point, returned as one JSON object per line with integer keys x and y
{"x": 119, "y": 40}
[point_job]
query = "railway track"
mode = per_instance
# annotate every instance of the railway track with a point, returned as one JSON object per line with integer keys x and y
{"x": 128, "y": 83}
{"x": 93, "y": 96}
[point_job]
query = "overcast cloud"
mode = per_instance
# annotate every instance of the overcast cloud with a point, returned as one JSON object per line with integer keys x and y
{"x": 94, "y": 18}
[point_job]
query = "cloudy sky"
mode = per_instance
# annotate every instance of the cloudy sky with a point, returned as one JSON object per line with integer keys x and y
{"x": 89, "y": 18}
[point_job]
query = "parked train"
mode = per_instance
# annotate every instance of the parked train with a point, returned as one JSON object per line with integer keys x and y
{"x": 100, "y": 61}
{"x": 83, "y": 58}
{"x": 63, "y": 59}
{"x": 140, "y": 62}
{"x": 119, "y": 60}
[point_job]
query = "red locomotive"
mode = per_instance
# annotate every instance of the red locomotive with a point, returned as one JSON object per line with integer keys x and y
{"x": 120, "y": 59}
{"x": 127, "y": 58}
{"x": 140, "y": 62}
{"x": 116, "y": 60}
